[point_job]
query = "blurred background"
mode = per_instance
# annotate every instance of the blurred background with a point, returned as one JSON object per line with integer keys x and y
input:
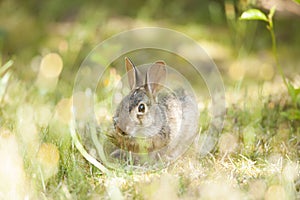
{"x": 31, "y": 29}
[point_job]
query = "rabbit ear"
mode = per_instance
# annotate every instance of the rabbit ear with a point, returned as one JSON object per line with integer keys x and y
{"x": 134, "y": 75}
{"x": 156, "y": 76}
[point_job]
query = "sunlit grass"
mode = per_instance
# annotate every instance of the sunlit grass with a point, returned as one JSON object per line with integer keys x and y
{"x": 257, "y": 155}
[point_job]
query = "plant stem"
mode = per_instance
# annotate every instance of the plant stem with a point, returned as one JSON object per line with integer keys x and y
{"x": 274, "y": 49}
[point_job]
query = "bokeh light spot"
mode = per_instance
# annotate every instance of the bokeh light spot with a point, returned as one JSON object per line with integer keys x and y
{"x": 51, "y": 65}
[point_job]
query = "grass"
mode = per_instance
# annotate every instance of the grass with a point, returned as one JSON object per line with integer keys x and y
{"x": 257, "y": 155}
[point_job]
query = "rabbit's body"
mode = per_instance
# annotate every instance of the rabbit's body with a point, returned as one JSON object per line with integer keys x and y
{"x": 152, "y": 117}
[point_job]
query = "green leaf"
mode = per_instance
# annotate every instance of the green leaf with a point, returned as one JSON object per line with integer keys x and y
{"x": 291, "y": 90}
{"x": 253, "y": 14}
{"x": 291, "y": 114}
{"x": 297, "y": 1}
{"x": 297, "y": 91}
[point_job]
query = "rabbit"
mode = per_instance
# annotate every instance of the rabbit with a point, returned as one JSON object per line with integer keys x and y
{"x": 151, "y": 117}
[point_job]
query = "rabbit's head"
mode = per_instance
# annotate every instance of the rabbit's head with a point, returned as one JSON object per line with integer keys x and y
{"x": 139, "y": 115}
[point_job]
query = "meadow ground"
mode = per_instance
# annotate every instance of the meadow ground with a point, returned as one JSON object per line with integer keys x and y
{"x": 256, "y": 155}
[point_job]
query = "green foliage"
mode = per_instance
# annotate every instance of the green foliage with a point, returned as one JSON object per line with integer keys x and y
{"x": 297, "y": 1}
{"x": 292, "y": 114}
{"x": 294, "y": 94}
{"x": 255, "y": 14}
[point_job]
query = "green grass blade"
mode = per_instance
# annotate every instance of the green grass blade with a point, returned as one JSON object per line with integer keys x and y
{"x": 3, "y": 84}
{"x": 6, "y": 66}
{"x": 83, "y": 151}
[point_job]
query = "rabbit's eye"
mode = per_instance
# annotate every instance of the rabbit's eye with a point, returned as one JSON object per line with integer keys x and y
{"x": 141, "y": 108}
